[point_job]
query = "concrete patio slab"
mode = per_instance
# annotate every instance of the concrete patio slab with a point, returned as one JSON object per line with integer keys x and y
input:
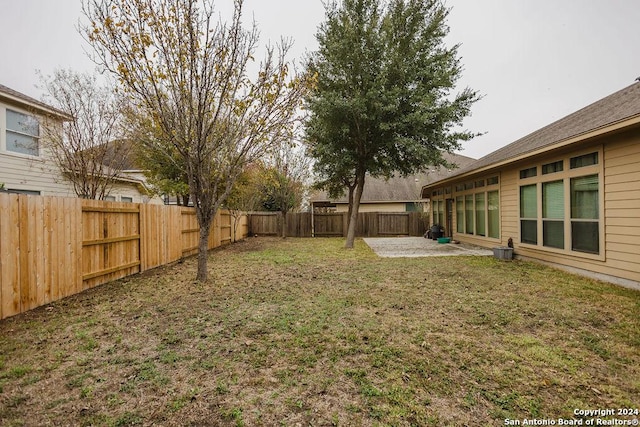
{"x": 414, "y": 247}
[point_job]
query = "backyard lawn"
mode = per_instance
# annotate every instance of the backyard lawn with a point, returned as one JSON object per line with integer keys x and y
{"x": 302, "y": 332}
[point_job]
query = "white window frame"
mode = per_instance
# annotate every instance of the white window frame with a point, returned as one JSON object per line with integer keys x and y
{"x": 3, "y": 125}
{"x": 565, "y": 175}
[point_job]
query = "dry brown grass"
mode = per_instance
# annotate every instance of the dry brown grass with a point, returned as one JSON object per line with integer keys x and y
{"x": 302, "y": 332}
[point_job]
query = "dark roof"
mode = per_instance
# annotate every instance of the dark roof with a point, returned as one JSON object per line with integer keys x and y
{"x": 617, "y": 107}
{"x": 398, "y": 189}
{"x": 10, "y": 95}
{"x": 121, "y": 152}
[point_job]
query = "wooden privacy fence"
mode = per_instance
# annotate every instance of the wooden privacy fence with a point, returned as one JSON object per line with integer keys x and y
{"x": 370, "y": 224}
{"x": 53, "y": 247}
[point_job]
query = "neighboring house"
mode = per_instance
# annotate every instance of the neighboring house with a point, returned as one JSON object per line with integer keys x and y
{"x": 131, "y": 187}
{"x": 394, "y": 195}
{"x": 131, "y": 184}
{"x": 567, "y": 194}
{"x": 25, "y": 165}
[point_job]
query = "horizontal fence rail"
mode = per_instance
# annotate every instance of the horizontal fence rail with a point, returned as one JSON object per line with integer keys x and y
{"x": 54, "y": 247}
{"x": 305, "y": 224}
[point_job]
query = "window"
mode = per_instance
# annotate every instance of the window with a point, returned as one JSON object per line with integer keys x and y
{"x": 468, "y": 205}
{"x": 553, "y": 214}
{"x": 27, "y": 192}
{"x": 568, "y": 217}
{"x": 22, "y": 133}
{"x": 412, "y": 207}
{"x": 553, "y": 167}
{"x": 585, "y": 160}
{"x": 528, "y": 173}
{"x": 528, "y": 214}
{"x": 477, "y": 209}
{"x": 460, "y": 214}
{"x": 109, "y": 198}
{"x": 585, "y": 207}
{"x": 438, "y": 212}
{"x": 480, "y": 216}
{"x": 126, "y": 199}
{"x": 560, "y": 210}
{"x": 493, "y": 214}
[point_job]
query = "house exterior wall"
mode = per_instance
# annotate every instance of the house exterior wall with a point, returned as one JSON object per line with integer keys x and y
{"x": 27, "y": 172}
{"x": 40, "y": 174}
{"x": 124, "y": 192}
{"x": 134, "y": 191}
{"x": 618, "y": 172}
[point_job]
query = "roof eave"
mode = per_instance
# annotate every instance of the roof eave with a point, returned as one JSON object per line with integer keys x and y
{"x": 40, "y": 107}
{"x": 593, "y": 133}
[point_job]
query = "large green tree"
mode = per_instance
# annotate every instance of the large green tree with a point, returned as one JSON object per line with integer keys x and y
{"x": 383, "y": 102}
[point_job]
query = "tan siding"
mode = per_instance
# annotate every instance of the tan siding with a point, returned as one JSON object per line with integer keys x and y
{"x": 622, "y": 230}
{"x": 622, "y": 169}
{"x": 622, "y": 187}
{"x": 622, "y": 251}
{"x": 622, "y": 204}
{"x": 630, "y": 223}
{"x": 618, "y": 161}
{"x": 509, "y": 206}
{"x": 622, "y": 213}
{"x": 630, "y": 177}
{"x": 614, "y": 238}
{"x": 619, "y": 151}
{"x": 622, "y": 195}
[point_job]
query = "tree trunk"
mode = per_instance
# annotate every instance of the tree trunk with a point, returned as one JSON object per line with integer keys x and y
{"x": 350, "y": 205}
{"x": 284, "y": 224}
{"x": 353, "y": 219}
{"x": 203, "y": 253}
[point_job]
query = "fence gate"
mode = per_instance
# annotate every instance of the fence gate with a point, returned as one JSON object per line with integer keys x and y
{"x": 111, "y": 241}
{"x": 328, "y": 224}
{"x": 396, "y": 224}
{"x": 264, "y": 223}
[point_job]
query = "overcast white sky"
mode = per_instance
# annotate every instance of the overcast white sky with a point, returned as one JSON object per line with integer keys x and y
{"x": 534, "y": 61}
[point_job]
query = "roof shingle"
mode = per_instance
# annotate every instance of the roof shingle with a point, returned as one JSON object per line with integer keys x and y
{"x": 398, "y": 189}
{"x": 619, "y": 106}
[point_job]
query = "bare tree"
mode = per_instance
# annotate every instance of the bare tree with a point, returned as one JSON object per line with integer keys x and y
{"x": 89, "y": 150}
{"x": 187, "y": 73}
